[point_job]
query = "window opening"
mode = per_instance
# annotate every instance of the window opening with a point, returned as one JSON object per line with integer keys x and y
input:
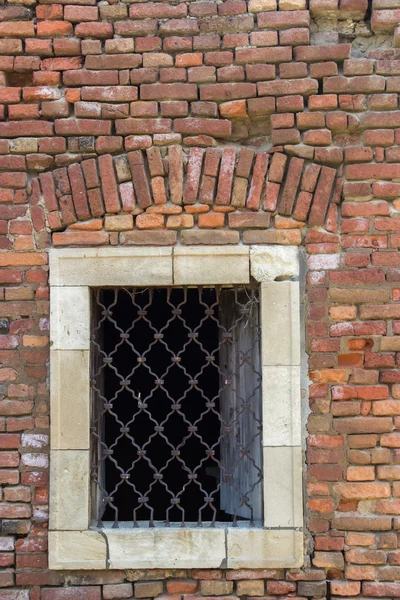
{"x": 176, "y": 416}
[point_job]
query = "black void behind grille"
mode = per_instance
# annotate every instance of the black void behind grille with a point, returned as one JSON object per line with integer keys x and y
{"x": 176, "y": 416}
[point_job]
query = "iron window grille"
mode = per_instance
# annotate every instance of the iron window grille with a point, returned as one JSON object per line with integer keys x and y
{"x": 176, "y": 428}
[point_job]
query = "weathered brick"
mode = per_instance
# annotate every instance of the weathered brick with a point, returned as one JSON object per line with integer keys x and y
{"x": 142, "y": 191}
{"x": 142, "y": 126}
{"x": 283, "y": 20}
{"x": 70, "y": 593}
{"x": 190, "y": 126}
{"x": 249, "y": 220}
{"x": 193, "y": 175}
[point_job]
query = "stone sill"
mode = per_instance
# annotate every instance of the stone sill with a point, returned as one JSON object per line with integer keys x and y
{"x": 168, "y": 548}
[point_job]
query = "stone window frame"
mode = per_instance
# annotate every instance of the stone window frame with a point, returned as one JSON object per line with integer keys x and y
{"x": 73, "y": 544}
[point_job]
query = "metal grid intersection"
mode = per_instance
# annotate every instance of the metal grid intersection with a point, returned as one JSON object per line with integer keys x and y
{"x": 176, "y": 414}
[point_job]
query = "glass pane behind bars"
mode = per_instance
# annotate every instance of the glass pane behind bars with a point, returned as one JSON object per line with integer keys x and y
{"x": 176, "y": 426}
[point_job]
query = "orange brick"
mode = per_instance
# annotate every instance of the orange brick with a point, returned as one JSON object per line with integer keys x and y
{"x": 146, "y": 221}
{"x": 343, "y": 313}
{"x": 360, "y": 539}
{"x": 211, "y": 220}
{"x": 329, "y": 376}
{"x": 321, "y": 505}
{"x": 35, "y": 341}
{"x": 360, "y": 473}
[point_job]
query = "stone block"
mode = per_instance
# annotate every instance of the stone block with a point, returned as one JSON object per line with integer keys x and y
{"x": 281, "y": 405}
{"x": 211, "y": 265}
{"x": 280, "y": 319}
{"x": 283, "y": 506}
{"x": 69, "y": 490}
{"x": 69, "y": 399}
{"x": 70, "y": 317}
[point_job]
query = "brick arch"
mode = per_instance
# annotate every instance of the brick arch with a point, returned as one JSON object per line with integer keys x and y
{"x": 246, "y": 189}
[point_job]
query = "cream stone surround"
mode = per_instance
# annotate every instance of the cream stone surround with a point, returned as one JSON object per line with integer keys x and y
{"x": 74, "y": 543}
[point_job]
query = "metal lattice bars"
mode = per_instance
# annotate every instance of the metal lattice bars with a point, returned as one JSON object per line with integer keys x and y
{"x": 176, "y": 416}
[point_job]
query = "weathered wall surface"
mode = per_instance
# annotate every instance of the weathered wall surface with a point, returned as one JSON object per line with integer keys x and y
{"x": 208, "y": 123}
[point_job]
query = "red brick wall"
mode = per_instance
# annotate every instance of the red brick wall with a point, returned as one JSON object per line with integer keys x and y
{"x": 208, "y": 123}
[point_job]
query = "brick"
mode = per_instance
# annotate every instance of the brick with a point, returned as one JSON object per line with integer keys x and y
{"x": 16, "y": 29}
{"x": 382, "y": 171}
{"x": 78, "y": 189}
{"x": 264, "y": 38}
{"x": 336, "y": 52}
{"x": 48, "y": 190}
{"x": 260, "y": 107}
{"x": 75, "y": 14}
{"x": 259, "y": 171}
{"x": 283, "y": 20}
{"x": 283, "y": 237}
{"x": 255, "y": 587}
{"x": 82, "y": 127}
{"x": 322, "y": 196}
{"x": 354, "y": 85}
{"x": 148, "y": 238}
{"x": 146, "y": 221}
{"x": 226, "y": 176}
{"x": 190, "y": 126}
{"x": 211, "y": 162}
{"x": 328, "y": 560}
{"x": 219, "y": 58}
{"x": 94, "y": 30}
{"x": 142, "y": 126}
{"x": 248, "y": 220}
{"x": 230, "y": 73}
{"x": 345, "y": 588}
{"x": 28, "y": 128}
{"x": 226, "y": 25}
{"x": 117, "y": 591}
{"x": 72, "y": 593}
{"x": 216, "y": 588}
{"x": 380, "y": 588}
{"x": 109, "y": 183}
{"x": 263, "y": 55}
{"x": 354, "y": 522}
{"x": 134, "y": 28}
{"x": 202, "y": 75}
{"x": 169, "y": 91}
{"x": 291, "y": 186}
{"x": 182, "y": 586}
{"x": 364, "y": 425}
{"x": 139, "y": 178}
{"x": 312, "y": 588}
{"x": 52, "y": 29}
{"x": 204, "y": 237}
{"x": 385, "y": 20}
{"x": 193, "y": 175}
{"x": 115, "y": 61}
{"x": 228, "y": 91}
{"x": 176, "y": 174}
{"x": 260, "y": 72}
{"x": 81, "y": 238}
{"x": 304, "y": 87}
{"x": 179, "y": 27}
{"x": 157, "y": 11}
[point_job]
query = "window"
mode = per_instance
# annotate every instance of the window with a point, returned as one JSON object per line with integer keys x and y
{"x": 175, "y": 413}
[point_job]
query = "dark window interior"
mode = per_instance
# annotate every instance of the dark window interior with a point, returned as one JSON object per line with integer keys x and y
{"x": 158, "y": 388}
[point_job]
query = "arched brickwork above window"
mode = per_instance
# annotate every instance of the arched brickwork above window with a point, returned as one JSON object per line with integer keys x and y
{"x": 172, "y": 188}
